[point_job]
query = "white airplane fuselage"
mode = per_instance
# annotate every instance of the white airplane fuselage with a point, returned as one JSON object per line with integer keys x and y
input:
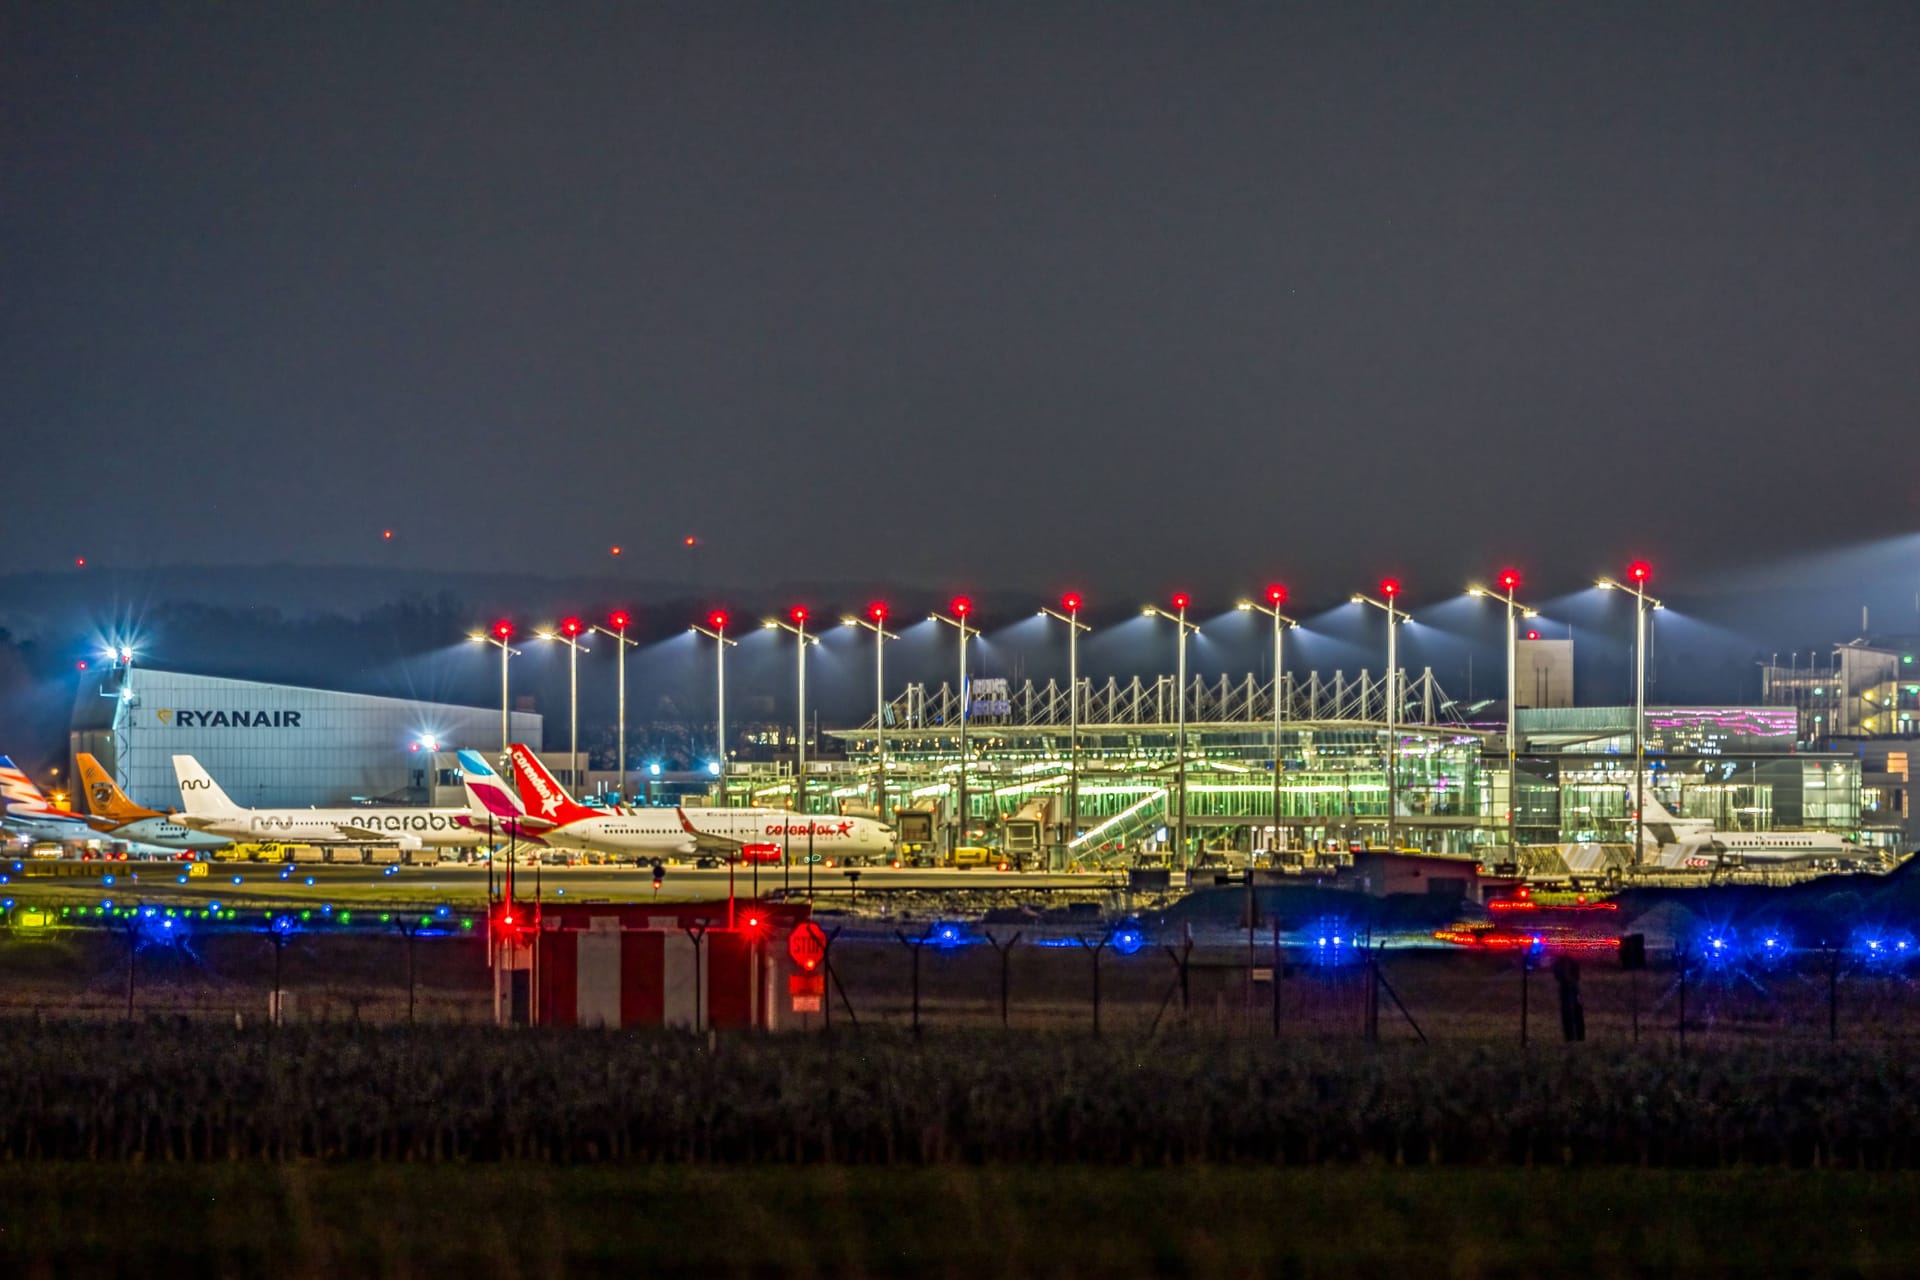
{"x": 652, "y": 832}
{"x": 50, "y": 826}
{"x": 162, "y": 833}
{"x": 407, "y": 827}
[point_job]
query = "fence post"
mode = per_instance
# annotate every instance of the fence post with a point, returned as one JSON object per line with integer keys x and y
{"x": 914, "y": 945}
{"x": 1005, "y": 951}
{"x": 1833, "y": 994}
{"x": 1096, "y": 949}
{"x": 1279, "y": 968}
{"x": 697, "y": 933}
{"x": 133, "y": 943}
{"x": 1681, "y": 955}
{"x": 1526, "y": 973}
{"x": 407, "y": 930}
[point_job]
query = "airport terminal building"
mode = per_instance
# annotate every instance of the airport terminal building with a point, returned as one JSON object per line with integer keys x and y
{"x": 274, "y": 744}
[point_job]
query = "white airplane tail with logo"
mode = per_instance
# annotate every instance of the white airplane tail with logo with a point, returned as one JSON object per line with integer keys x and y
{"x": 18, "y": 792}
{"x": 200, "y": 795}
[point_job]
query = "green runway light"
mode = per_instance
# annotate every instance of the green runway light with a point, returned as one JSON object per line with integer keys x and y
{"x": 306, "y": 915}
{"x": 466, "y": 924}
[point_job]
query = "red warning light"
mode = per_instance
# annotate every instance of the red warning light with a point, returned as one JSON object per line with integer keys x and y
{"x": 1071, "y": 602}
{"x": 717, "y": 620}
{"x": 81, "y": 665}
{"x": 80, "y": 563}
{"x": 570, "y": 627}
{"x": 690, "y": 541}
{"x": 1509, "y": 580}
{"x": 1389, "y": 588}
{"x": 614, "y": 550}
{"x": 877, "y": 611}
{"x": 503, "y": 629}
{"x": 962, "y": 606}
{"x": 1639, "y": 571}
{"x": 1276, "y": 595}
{"x": 798, "y": 614}
{"x": 619, "y": 619}
{"x": 386, "y": 535}
{"x": 1533, "y": 635}
{"x": 1181, "y": 600}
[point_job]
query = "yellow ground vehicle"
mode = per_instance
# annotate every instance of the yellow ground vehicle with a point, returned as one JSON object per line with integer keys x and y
{"x": 973, "y": 855}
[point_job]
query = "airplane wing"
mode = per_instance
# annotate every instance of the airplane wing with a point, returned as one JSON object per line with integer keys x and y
{"x": 522, "y": 828}
{"x": 348, "y": 831}
{"x": 703, "y": 841}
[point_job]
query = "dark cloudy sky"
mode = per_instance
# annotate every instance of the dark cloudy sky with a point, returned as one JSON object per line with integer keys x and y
{"x": 1027, "y": 294}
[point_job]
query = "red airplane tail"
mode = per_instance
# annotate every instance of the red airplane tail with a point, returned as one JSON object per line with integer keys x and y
{"x": 541, "y": 793}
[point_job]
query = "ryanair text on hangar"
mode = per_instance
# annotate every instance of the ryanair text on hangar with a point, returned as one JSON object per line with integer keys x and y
{"x": 229, "y": 719}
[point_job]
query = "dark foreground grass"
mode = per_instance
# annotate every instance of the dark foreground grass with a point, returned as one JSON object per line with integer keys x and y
{"x": 972, "y": 1222}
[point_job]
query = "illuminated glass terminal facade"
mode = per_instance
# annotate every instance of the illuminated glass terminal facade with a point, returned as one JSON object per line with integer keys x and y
{"x": 1739, "y": 766}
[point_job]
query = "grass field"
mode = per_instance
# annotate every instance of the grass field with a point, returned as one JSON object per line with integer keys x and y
{"x": 963, "y": 1222}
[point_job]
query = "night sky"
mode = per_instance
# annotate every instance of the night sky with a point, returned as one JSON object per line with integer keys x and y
{"x": 1121, "y": 297}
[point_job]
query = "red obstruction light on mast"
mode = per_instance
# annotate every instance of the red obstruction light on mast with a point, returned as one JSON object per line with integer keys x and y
{"x": 877, "y": 611}
{"x": 1509, "y": 580}
{"x": 1389, "y": 587}
{"x": 503, "y": 629}
{"x": 1639, "y": 571}
{"x": 571, "y": 627}
{"x": 620, "y": 620}
{"x": 962, "y": 606}
{"x": 1181, "y": 600}
{"x": 799, "y": 614}
{"x": 1276, "y": 595}
{"x": 1071, "y": 602}
{"x": 717, "y": 619}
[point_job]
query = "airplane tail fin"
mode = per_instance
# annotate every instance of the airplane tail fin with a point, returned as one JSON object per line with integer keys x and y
{"x": 1657, "y": 812}
{"x": 541, "y": 793}
{"x": 17, "y": 790}
{"x": 104, "y": 798}
{"x": 199, "y": 793}
{"x": 488, "y": 794}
